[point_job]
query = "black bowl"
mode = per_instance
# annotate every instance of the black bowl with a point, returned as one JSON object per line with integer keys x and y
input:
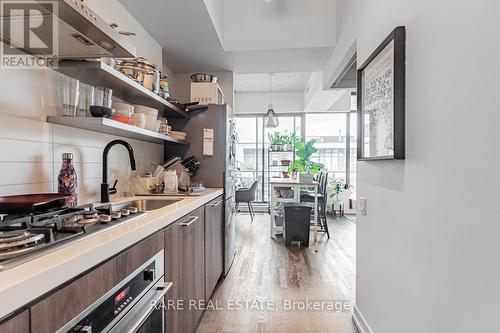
{"x": 101, "y": 111}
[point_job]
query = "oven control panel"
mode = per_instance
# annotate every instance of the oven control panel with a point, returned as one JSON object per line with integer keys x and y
{"x": 117, "y": 303}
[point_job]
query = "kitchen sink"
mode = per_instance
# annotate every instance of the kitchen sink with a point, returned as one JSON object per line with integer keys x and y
{"x": 146, "y": 204}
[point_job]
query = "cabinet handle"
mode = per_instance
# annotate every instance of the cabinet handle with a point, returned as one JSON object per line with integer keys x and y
{"x": 216, "y": 204}
{"x": 187, "y": 224}
{"x": 160, "y": 293}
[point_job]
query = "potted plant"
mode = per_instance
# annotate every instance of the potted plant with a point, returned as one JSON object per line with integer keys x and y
{"x": 336, "y": 189}
{"x": 303, "y": 163}
{"x": 276, "y": 141}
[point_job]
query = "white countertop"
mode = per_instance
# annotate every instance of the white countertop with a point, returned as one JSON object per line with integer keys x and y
{"x": 22, "y": 284}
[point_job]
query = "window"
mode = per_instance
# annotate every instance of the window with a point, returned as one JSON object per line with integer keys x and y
{"x": 333, "y": 132}
{"x": 329, "y": 129}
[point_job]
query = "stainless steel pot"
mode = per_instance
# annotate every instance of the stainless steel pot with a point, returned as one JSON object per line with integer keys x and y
{"x": 203, "y": 77}
{"x": 142, "y": 71}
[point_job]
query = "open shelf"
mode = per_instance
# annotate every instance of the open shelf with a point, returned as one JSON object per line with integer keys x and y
{"x": 100, "y": 74}
{"x": 110, "y": 126}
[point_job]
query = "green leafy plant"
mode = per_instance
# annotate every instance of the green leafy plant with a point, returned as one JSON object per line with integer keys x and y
{"x": 276, "y": 138}
{"x": 304, "y": 151}
{"x": 335, "y": 190}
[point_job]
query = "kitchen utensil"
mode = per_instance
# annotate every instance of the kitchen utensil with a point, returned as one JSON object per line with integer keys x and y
{"x": 85, "y": 100}
{"x": 164, "y": 89}
{"x": 191, "y": 164}
{"x": 68, "y": 92}
{"x": 29, "y": 203}
{"x": 171, "y": 181}
{"x": 152, "y": 80}
{"x": 123, "y": 116}
{"x": 203, "y": 77}
{"x": 142, "y": 71}
{"x": 139, "y": 120}
{"x": 152, "y": 123}
{"x": 183, "y": 176}
{"x": 118, "y": 106}
{"x": 197, "y": 108}
{"x": 164, "y": 128}
{"x": 178, "y": 135}
{"x": 146, "y": 110}
{"x": 103, "y": 96}
{"x": 101, "y": 111}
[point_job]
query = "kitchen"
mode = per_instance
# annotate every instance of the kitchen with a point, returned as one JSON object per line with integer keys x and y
{"x": 78, "y": 141}
{"x": 249, "y": 166}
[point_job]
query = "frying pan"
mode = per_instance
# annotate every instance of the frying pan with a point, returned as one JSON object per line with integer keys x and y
{"x": 32, "y": 203}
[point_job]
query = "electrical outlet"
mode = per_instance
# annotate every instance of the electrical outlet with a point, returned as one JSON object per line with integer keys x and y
{"x": 362, "y": 205}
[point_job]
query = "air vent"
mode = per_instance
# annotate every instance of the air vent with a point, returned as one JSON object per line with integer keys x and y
{"x": 347, "y": 77}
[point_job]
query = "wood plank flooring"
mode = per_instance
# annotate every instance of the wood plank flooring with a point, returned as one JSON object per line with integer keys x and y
{"x": 266, "y": 277}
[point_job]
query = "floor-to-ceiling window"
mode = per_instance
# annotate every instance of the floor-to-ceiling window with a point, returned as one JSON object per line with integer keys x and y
{"x": 334, "y": 132}
{"x": 253, "y": 160}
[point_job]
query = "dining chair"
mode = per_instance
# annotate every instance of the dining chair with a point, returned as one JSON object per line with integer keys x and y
{"x": 322, "y": 200}
{"x": 247, "y": 195}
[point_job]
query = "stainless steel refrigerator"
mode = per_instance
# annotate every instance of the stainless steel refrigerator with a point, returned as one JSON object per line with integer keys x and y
{"x": 217, "y": 170}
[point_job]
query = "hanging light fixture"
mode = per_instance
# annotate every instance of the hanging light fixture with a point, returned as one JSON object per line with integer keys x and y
{"x": 271, "y": 120}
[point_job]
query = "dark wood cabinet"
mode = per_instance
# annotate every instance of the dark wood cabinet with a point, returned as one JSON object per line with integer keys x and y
{"x": 20, "y": 323}
{"x": 214, "y": 253}
{"x": 185, "y": 268}
{"x": 62, "y": 306}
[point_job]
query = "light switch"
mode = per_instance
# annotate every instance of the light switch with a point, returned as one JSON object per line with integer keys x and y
{"x": 362, "y": 205}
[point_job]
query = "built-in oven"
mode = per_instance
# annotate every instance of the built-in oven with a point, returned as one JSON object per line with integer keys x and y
{"x": 135, "y": 305}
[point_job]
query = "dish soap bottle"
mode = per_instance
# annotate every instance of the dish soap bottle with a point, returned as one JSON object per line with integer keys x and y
{"x": 67, "y": 182}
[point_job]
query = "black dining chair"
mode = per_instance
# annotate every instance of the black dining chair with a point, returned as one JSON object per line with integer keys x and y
{"x": 247, "y": 195}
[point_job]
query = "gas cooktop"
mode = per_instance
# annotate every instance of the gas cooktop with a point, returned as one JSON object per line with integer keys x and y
{"x": 25, "y": 237}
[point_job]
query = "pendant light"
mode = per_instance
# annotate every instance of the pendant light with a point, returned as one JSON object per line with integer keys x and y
{"x": 271, "y": 120}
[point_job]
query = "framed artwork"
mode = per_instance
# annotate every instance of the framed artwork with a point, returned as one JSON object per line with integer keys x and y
{"x": 381, "y": 101}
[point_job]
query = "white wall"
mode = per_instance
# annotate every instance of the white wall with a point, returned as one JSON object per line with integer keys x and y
{"x": 278, "y": 24}
{"x": 319, "y": 99}
{"x": 255, "y": 103}
{"x": 215, "y": 9}
{"x": 346, "y": 41}
{"x": 180, "y": 86}
{"x": 426, "y": 256}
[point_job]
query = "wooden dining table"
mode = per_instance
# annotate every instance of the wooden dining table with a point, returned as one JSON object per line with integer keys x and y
{"x": 294, "y": 185}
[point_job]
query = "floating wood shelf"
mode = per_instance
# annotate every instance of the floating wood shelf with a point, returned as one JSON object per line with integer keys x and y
{"x": 99, "y": 74}
{"x": 109, "y": 126}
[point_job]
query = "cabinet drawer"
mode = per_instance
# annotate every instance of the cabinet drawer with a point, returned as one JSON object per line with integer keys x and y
{"x": 214, "y": 253}
{"x": 184, "y": 266}
{"x": 18, "y": 324}
{"x": 59, "y": 308}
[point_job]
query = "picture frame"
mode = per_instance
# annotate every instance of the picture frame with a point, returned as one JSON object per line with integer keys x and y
{"x": 381, "y": 100}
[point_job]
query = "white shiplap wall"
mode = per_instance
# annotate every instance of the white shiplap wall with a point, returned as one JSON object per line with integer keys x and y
{"x": 31, "y": 150}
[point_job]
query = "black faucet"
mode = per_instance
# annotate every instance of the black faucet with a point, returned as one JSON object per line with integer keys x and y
{"x": 105, "y": 190}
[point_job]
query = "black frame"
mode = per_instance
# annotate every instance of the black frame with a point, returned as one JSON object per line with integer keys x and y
{"x": 398, "y": 35}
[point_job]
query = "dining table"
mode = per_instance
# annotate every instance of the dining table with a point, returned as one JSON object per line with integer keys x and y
{"x": 292, "y": 188}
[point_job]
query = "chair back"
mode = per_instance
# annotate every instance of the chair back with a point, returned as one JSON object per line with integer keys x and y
{"x": 323, "y": 184}
{"x": 247, "y": 194}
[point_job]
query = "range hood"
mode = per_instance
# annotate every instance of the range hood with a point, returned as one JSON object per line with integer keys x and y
{"x": 81, "y": 32}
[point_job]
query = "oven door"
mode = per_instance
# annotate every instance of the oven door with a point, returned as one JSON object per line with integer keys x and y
{"x": 148, "y": 314}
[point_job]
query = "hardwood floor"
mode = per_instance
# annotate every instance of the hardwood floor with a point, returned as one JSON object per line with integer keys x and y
{"x": 273, "y": 275}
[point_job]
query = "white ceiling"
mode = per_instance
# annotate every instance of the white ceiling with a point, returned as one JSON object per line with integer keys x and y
{"x": 261, "y": 82}
{"x": 192, "y": 39}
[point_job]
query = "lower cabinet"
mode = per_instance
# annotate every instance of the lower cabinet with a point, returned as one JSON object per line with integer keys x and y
{"x": 214, "y": 263}
{"x": 185, "y": 267}
{"x": 18, "y": 324}
{"x": 56, "y": 310}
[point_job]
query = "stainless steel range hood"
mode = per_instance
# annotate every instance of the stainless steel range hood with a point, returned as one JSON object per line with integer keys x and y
{"x": 81, "y": 33}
